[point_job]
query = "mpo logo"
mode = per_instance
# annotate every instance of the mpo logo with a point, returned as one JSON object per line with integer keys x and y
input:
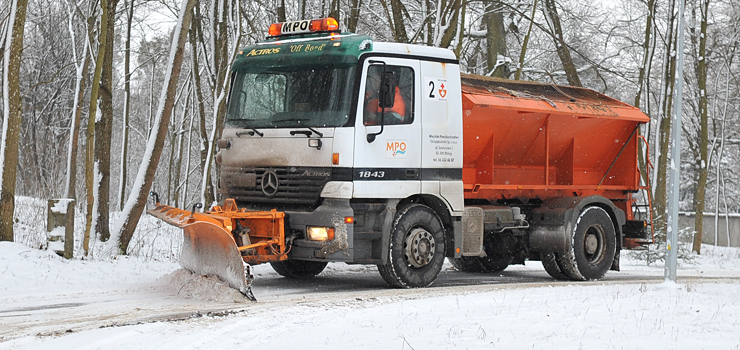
{"x": 395, "y": 149}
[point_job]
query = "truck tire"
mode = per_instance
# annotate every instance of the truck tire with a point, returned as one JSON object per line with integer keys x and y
{"x": 495, "y": 263}
{"x": 552, "y": 266}
{"x": 499, "y": 249}
{"x": 476, "y": 264}
{"x": 416, "y": 250}
{"x": 466, "y": 264}
{"x": 298, "y": 268}
{"x": 593, "y": 246}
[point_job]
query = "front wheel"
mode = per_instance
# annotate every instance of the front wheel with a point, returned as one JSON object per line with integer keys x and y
{"x": 416, "y": 251}
{"x": 298, "y": 268}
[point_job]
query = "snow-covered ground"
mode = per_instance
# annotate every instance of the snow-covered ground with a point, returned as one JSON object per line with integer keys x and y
{"x": 47, "y": 302}
{"x": 145, "y": 300}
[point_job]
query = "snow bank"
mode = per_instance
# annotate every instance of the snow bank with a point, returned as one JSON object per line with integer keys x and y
{"x": 25, "y": 271}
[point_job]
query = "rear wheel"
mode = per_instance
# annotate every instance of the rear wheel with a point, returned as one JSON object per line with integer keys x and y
{"x": 416, "y": 251}
{"x": 298, "y": 268}
{"x": 593, "y": 248}
{"x": 552, "y": 266}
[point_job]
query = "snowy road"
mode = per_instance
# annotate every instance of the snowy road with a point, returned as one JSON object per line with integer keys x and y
{"x": 182, "y": 296}
{"x": 132, "y": 303}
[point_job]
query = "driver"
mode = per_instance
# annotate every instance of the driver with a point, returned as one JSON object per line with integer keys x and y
{"x": 393, "y": 115}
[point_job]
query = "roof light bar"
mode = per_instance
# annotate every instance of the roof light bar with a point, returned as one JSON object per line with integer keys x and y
{"x": 327, "y": 24}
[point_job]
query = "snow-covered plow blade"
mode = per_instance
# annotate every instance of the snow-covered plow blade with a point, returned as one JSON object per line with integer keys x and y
{"x": 226, "y": 240}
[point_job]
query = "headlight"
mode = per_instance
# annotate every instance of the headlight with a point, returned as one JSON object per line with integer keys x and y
{"x": 320, "y": 233}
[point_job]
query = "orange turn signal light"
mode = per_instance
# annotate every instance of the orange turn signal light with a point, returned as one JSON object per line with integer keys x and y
{"x": 349, "y": 219}
{"x": 335, "y": 158}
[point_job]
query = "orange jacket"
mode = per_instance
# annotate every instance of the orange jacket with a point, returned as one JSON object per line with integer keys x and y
{"x": 399, "y": 106}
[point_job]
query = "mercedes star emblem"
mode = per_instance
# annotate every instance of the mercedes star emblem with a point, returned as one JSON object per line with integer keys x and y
{"x": 269, "y": 183}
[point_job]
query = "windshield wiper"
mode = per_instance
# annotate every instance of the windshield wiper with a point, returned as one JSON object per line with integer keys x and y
{"x": 307, "y": 133}
{"x": 243, "y": 123}
{"x": 250, "y": 133}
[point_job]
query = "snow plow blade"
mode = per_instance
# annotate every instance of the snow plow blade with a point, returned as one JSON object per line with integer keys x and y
{"x": 226, "y": 240}
{"x": 208, "y": 249}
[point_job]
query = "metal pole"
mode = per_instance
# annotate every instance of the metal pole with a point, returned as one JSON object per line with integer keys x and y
{"x": 675, "y": 165}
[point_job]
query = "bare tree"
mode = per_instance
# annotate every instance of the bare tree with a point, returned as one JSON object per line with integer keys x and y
{"x": 701, "y": 75}
{"x": 224, "y": 41}
{"x": 103, "y": 126}
{"x": 81, "y": 71}
{"x": 90, "y": 173}
{"x": 12, "y": 112}
{"x": 496, "y": 40}
{"x": 562, "y": 49}
{"x": 126, "y": 102}
{"x": 136, "y": 202}
{"x": 398, "y": 23}
{"x": 660, "y": 180}
{"x": 523, "y": 52}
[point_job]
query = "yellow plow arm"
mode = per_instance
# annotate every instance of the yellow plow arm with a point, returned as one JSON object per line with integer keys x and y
{"x": 226, "y": 240}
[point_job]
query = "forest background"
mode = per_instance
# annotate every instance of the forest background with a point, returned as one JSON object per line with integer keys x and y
{"x": 104, "y": 100}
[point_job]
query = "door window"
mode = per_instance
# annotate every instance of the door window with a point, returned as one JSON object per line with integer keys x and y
{"x": 399, "y": 109}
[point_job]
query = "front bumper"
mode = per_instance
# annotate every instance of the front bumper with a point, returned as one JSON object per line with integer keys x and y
{"x": 330, "y": 213}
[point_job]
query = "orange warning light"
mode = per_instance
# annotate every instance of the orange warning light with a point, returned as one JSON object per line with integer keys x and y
{"x": 275, "y": 29}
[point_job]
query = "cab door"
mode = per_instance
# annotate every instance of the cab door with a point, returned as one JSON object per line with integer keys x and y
{"x": 388, "y": 163}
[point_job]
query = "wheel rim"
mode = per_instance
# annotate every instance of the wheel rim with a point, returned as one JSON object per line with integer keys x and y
{"x": 418, "y": 247}
{"x": 594, "y": 244}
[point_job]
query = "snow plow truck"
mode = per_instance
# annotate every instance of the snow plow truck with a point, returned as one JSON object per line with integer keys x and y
{"x": 336, "y": 148}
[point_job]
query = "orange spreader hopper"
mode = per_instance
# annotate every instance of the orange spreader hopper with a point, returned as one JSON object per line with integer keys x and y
{"x": 209, "y": 246}
{"x": 534, "y": 140}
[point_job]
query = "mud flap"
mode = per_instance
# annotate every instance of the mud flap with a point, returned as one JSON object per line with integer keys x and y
{"x": 209, "y": 250}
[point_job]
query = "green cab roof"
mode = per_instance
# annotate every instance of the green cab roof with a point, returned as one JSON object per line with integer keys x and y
{"x": 338, "y": 49}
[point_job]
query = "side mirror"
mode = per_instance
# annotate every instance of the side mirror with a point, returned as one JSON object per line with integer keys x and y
{"x": 388, "y": 86}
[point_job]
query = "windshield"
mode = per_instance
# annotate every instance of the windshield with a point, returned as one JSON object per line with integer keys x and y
{"x": 293, "y": 96}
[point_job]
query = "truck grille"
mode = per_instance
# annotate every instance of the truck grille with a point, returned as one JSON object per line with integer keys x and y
{"x": 277, "y": 187}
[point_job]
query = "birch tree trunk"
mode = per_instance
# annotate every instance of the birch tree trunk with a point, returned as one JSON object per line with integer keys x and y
{"x": 136, "y": 202}
{"x": 701, "y": 74}
{"x": 12, "y": 115}
{"x": 80, "y": 85}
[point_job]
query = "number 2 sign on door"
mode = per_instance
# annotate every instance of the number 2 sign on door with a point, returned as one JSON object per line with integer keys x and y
{"x": 436, "y": 89}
